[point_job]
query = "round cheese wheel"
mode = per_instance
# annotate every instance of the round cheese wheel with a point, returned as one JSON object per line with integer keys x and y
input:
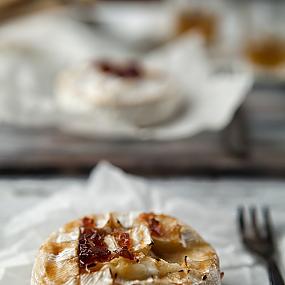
{"x": 126, "y": 248}
{"x": 126, "y": 91}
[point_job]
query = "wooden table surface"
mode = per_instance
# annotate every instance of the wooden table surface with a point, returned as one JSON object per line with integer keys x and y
{"x": 254, "y": 144}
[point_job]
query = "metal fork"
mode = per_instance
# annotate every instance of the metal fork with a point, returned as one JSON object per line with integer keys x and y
{"x": 258, "y": 238}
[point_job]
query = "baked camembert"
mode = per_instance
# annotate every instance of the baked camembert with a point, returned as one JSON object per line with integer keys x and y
{"x": 126, "y": 248}
{"x": 123, "y": 90}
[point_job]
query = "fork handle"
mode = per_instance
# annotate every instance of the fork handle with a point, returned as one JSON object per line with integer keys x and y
{"x": 274, "y": 273}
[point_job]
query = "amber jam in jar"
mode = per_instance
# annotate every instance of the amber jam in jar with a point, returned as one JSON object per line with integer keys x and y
{"x": 199, "y": 21}
{"x": 128, "y": 70}
{"x": 267, "y": 52}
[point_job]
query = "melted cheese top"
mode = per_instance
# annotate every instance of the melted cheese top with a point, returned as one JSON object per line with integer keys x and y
{"x": 127, "y": 248}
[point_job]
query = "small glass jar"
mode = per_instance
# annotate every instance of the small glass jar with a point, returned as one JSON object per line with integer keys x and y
{"x": 200, "y": 17}
{"x": 264, "y": 34}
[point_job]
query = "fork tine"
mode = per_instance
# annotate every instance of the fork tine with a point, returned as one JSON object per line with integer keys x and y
{"x": 253, "y": 216}
{"x": 268, "y": 224}
{"x": 241, "y": 220}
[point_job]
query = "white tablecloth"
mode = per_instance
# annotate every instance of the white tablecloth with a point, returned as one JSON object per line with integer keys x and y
{"x": 31, "y": 208}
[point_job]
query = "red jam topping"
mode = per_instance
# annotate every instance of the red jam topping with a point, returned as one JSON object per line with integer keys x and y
{"x": 92, "y": 248}
{"x": 129, "y": 70}
{"x": 88, "y": 222}
{"x": 154, "y": 225}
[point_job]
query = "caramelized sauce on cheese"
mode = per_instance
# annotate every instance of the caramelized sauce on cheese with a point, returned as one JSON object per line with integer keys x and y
{"x": 92, "y": 248}
{"x": 154, "y": 225}
{"x": 130, "y": 70}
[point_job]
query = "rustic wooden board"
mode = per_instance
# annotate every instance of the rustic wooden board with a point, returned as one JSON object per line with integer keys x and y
{"x": 253, "y": 144}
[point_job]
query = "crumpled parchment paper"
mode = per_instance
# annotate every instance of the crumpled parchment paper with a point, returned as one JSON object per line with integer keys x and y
{"x": 212, "y": 213}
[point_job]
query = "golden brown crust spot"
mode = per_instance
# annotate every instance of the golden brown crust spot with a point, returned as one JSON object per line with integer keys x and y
{"x": 54, "y": 247}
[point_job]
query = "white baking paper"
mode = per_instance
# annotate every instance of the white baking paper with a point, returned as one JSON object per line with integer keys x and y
{"x": 34, "y": 50}
{"x": 212, "y": 213}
